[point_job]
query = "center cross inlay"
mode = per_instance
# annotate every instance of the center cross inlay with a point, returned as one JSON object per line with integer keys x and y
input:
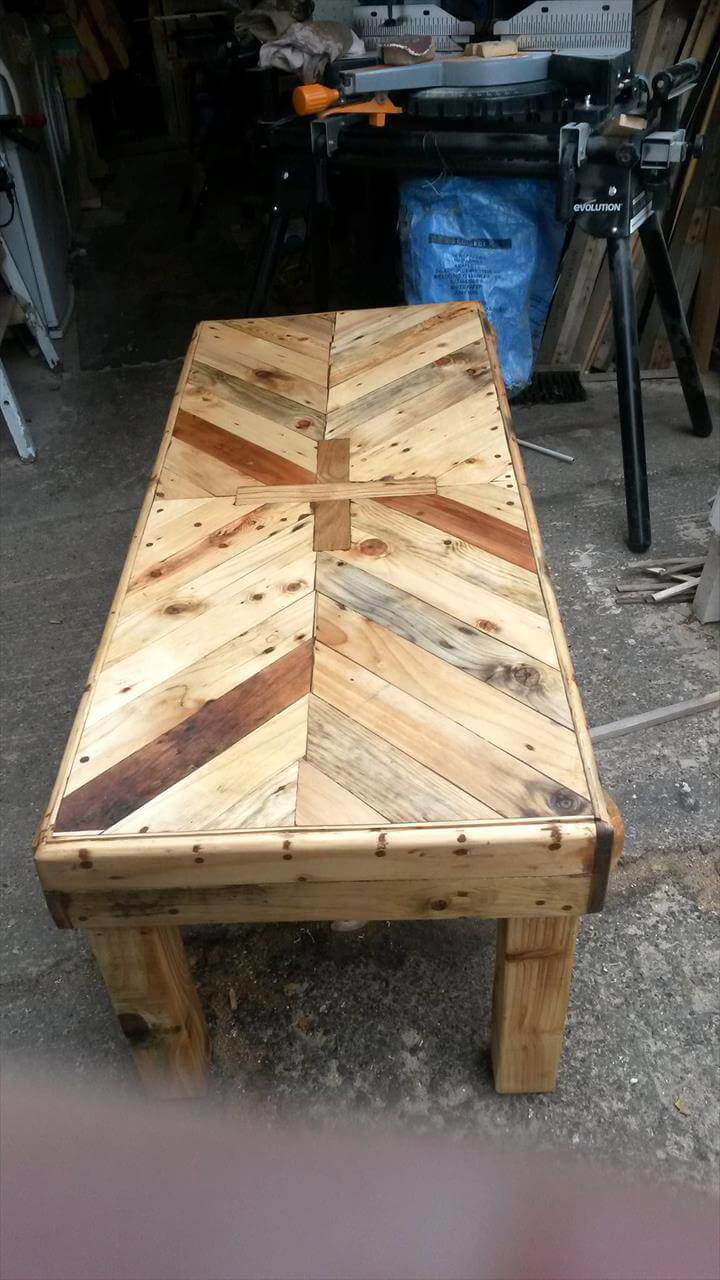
{"x": 330, "y": 496}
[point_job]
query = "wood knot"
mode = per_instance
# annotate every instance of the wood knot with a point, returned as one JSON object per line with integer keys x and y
{"x": 183, "y": 606}
{"x": 302, "y": 424}
{"x": 373, "y": 547}
{"x": 522, "y": 674}
{"x": 563, "y": 801}
{"x": 135, "y": 1028}
{"x": 438, "y": 905}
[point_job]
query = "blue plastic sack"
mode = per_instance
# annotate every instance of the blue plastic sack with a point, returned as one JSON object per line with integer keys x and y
{"x": 492, "y": 240}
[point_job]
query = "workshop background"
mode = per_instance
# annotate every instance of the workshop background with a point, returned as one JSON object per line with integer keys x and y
{"x": 149, "y": 216}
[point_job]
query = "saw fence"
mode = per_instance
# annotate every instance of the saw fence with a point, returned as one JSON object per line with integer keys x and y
{"x": 579, "y": 326}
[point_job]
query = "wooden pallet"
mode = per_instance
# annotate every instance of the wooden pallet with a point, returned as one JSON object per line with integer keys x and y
{"x": 334, "y": 682}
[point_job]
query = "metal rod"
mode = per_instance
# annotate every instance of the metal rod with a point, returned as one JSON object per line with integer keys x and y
{"x": 551, "y": 453}
{"x": 616, "y": 728}
{"x": 632, "y": 426}
{"x": 670, "y": 303}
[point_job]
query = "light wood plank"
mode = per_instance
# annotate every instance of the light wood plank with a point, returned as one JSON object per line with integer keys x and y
{"x": 452, "y": 337}
{"x": 98, "y": 660}
{"x": 246, "y": 343}
{"x": 335, "y": 490}
{"x": 462, "y": 646}
{"x": 499, "y": 780}
{"x": 162, "y": 514}
{"x": 183, "y": 750}
{"x": 485, "y": 498}
{"x": 287, "y": 441}
{"x": 154, "y": 998}
{"x": 469, "y": 602}
{"x": 272, "y": 804}
{"x": 385, "y": 777}
{"x": 322, "y": 802}
{"x": 287, "y": 332}
{"x": 395, "y": 529}
{"x": 354, "y": 328}
{"x": 205, "y": 520}
{"x": 176, "y": 486}
{"x": 257, "y": 597}
{"x": 217, "y": 349}
{"x": 240, "y": 537}
{"x": 189, "y": 472}
{"x": 506, "y": 723}
{"x": 532, "y": 986}
{"x": 261, "y": 402}
{"x": 451, "y": 437}
{"x": 367, "y": 900}
{"x": 579, "y": 723}
{"x": 211, "y": 791}
{"x": 494, "y": 536}
{"x": 380, "y": 851}
{"x": 438, "y": 324}
{"x": 416, "y": 395}
{"x": 174, "y": 699}
{"x": 171, "y": 606}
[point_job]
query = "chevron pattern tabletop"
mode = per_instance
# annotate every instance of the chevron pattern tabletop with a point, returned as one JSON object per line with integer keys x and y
{"x": 335, "y": 611}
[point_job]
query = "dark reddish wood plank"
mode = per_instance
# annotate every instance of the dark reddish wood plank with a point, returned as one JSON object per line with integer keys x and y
{"x": 484, "y": 531}
{"x": 249, "y": 459}
{"x": 332, "y": 519}
{"x": 180, "y": 751}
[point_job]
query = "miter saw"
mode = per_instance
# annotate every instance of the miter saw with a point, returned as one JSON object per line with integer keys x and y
{"x": 581, "y": 116}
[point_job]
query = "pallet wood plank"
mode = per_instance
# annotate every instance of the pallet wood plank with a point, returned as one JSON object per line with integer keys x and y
{"x": 532, "y": 986}
{"x": 182, "y": 750}
{"x": 107, "y": 741}
{"x": 205, "y": 796}
{"x": 454, "y": 594}
{"x": 507, "y": 784}
{"x": 290, "y": 443}
{"x": 392, "y": 528}
{"x": 472, "y": 651}
{"x": 153, "y": 995}
{"x": 335, "y": 490}
{"x": 332, "y": 519}
{"x": 382, "y": 774}
{"x": 487, "y": 532}
{"x": 493, "y": 898}
{"x": 320, "y": 801}
{"x": 324, "y": 852}
{"x": 218, "y": 347}
{"x": 707, "y": 300}
{"x": 506, "y": 723}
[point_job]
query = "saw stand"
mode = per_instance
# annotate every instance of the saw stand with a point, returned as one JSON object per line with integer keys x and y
{"x": 610, "y": 185}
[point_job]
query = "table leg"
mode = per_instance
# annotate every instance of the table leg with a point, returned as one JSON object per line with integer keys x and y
{"x": 532, "y": 983}
{"x": 153, "y": 994}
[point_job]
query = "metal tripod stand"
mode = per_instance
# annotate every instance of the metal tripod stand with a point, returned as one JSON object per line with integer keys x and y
{"x": 627, "y": 364}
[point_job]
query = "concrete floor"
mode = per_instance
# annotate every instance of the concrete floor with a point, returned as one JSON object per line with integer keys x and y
{"x": 393, "y": 1021}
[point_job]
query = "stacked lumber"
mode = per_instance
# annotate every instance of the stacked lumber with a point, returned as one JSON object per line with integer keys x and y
{"x": 578, "y": 331}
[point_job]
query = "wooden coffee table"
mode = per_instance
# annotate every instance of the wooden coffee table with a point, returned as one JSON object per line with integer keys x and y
{"x": 333, "y": 683}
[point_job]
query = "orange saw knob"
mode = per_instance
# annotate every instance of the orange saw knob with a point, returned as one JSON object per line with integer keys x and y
{"x": 309, "y": 99}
